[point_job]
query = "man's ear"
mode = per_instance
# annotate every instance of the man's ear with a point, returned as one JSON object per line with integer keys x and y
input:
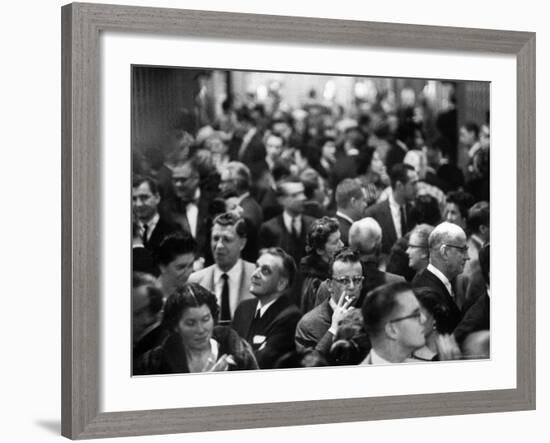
{"x": 389, "y": 329}
{"x": 282, "y": 284}
{"x": 243, "y": 243}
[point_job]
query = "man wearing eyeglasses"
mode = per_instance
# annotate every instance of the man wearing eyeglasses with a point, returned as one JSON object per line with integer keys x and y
{"x": 189, "y": 208}
{"x": 394, "y": 323}
{"x": 317, "y": 328}
{"x": 448, "y": 256}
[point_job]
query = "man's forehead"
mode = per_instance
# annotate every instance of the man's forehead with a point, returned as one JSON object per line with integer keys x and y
{"x": 185, "y": 169}
{"x": 270, "y": 260}
{"x": 412, "y": 175}
{"x": 142, "y": 188}
{"x": 293, "y": 187}
{"x": 274, "y": 140}
{"x": 340, "y": 268}
{"x": 407, "y": 300}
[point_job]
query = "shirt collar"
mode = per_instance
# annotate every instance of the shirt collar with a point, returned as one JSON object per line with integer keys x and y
{"x": 233, "y": 273}
{"x": 287, "y": 218}
{"x": 240, "y": 198}
{"x": 375, "y": 359}
{"x": 196, "y": 197}
{"x": 344, "y": 216}
{"x": 441, "y": 277}
{"x": 391, "y": 200}
{"x": 151, "y": 223}
{"x": 265, "y": 307}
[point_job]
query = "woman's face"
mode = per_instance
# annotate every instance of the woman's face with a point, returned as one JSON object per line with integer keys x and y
{"x": 377, "y": 165}
{"x": 333, "y": 244}
{"x": 452, "y": 214}
{"x": 195, "y": 327}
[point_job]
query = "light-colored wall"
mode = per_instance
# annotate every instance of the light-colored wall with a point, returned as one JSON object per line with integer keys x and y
{"x": 31, "y": 206}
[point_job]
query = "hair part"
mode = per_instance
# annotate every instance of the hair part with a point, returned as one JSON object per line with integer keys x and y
{"x": 232, "y": 219}
{"x": 188, "y": 295}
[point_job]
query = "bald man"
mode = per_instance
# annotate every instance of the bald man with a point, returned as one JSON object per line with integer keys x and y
{"x": 448, "y": 256}
{"x": 365, "y": 237}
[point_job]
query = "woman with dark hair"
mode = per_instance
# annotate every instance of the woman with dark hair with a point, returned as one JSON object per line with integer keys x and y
{"x": 323, "y": 241}
{"x": 438, "y": 323}
{"x": 195, "y": 343}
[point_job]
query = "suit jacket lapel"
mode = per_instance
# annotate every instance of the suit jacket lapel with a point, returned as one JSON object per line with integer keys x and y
{"x": 434, "y": 278}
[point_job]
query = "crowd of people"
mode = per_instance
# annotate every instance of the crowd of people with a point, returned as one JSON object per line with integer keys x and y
{"x": 307, "y": 238}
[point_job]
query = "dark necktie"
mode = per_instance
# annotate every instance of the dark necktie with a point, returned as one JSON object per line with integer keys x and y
{"x": 144, "y": 236}
{"x": 403, "y": 220}
{"x": 225, "y": 312}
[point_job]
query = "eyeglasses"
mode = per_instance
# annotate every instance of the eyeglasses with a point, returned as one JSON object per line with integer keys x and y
{"x": 411, "y": 245}
{"x": 347, "y": 281}
{"x": 462, "y": 249}
{"x": 416, "y": 314}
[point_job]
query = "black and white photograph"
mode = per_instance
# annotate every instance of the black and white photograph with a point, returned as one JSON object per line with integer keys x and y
{"x": 289, "y": 220}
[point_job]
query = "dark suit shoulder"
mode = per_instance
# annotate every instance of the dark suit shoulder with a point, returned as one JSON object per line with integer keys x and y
{"x": 377, "y": 208}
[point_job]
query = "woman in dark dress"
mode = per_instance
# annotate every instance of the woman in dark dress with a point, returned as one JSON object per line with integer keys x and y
{"x": 195, "y": 343}
{"x": 323, "y": 241}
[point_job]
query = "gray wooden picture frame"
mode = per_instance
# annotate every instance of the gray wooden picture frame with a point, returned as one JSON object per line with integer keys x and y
{"x": 81, "y": 165}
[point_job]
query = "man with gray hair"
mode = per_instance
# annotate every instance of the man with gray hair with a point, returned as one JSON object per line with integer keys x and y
{"x": 365, "y": 237}
{"x": 448, "y": 255}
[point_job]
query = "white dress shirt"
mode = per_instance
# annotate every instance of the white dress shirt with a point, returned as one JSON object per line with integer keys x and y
{"x": 263, "y": 308}
{"x": 289, "y": 220}
{"x": 192, "y": 214}
{"x": 344, "y": 216}
{"x": 151, "y": 225}
{"x": 234, "y": 280}
{"x": 441, "y": 277}
{"x": 374, "y": 359}
{"x": 395, "y": 214}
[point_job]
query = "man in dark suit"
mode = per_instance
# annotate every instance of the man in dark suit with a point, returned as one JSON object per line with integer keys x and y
{"x": 477, "y": 317}
{"x": 318, "y": 327}
{"x": 448, "y": 255}
{"x": 145, "y": 201}
{"x": 351, "y": 201}
{"x": 393, "y": 214}
{"x": 190, "y": 208}
{"x": 236, "y": 182}
{"x": 289, "y": 229}
{"x": 248, "y": 147}
{"x": 229, "y": 277}
{"x": 268, "y": 321}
